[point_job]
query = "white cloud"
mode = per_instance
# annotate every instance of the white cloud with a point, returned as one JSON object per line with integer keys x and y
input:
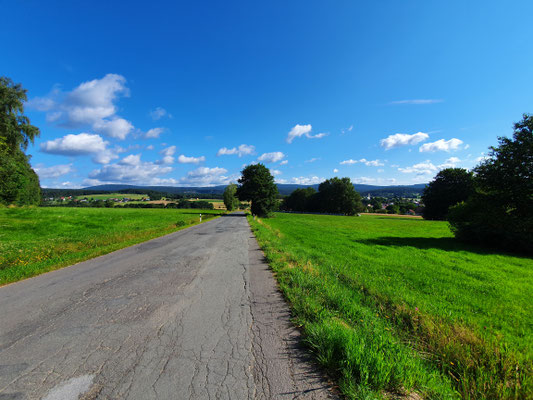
{"x": 303, "y": 130}
{"x": 417, "y": 101}
{"x": 302, "y": 180}
{"x": 80, "y": 144}
{"x": 420, "y": 169}
{"x": 403, "y": 139}
{"x": 75, "y": 145}
{"x": 117, "y": 128}
{"x": 150, "y": 147}
{"x": 154, "y": 133}
{"x": 312, "y": 160}
{"x": 168, "y": 155}
{"x": 348, "y": 162}
{"x": 91, "y": 104}
{"x": 146, "y": 173}
{"x": 204, "y": 176}
{"x": 276, "y": 172}
{"x": 346, "y": 130}
{"x": 132, "y": 159}
{"x": 482, "y": 158}
{"x": 450, "y": 163}
{"x": 159, "y": 113}
{"x": 54, "y": 171}
{"x": 182, "y": 159}
{"x": 335, "y": 170}
{"x": 441, "y": 145}
{"x": 242, "y": 150}
{"x": 371, "y": 163}
{"x": 86, "y": 104}
{"x": 284, "y": 162}
{"x": 271, "y": 157}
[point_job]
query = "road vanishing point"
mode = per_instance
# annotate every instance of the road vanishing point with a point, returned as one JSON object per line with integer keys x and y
{"x": 191, "y": 315}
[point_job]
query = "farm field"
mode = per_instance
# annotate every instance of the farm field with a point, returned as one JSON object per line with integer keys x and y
{"x": 38, "y": 240}
{"x": 396, "y": 306}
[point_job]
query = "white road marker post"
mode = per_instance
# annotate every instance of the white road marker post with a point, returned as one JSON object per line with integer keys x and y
{"x": 200, "y": 217}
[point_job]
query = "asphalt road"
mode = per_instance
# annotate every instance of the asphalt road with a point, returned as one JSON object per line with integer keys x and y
{"x": 191, "y": 315}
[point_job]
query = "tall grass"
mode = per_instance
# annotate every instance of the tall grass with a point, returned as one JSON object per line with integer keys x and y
{"x": 395, "y": 306}
{"x": 36, "y": 240}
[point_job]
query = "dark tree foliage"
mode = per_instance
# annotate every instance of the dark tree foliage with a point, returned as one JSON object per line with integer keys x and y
{"x": 230, "y": 197}
{"x": 257, "y": 185}
{"x": 338, "y": 196}
{"x": 450, "y": 186}
{"x": 18, "y": 182}
{"x": 500, "y": 213}
{"x": 300, "y": 200}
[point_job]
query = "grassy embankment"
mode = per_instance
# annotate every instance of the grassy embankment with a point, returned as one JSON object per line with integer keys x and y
{"x": 396, "y": 306}
{"x": 37, "y": 240}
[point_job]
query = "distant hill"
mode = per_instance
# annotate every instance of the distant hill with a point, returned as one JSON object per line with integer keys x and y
{"x": 284, "y": 189}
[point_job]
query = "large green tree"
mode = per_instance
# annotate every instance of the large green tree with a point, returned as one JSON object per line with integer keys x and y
{"x": 257, "y": 185}
{"x": 18, "y": 182}
{"x": 500, "y": 212}
{"x": 230, "y": 197}
{"x": 300, "y": 200}
{"x": 338, "y": 196}
{"x": 449, "y": 187}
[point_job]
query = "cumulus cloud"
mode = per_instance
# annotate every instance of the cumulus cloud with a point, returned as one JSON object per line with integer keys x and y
{"x": 54, "y": 171}
{"x": 403, "y": 139}
{"x": 303, "y": 180}
{"x": 312, "y": 160}
{"x": 417, "y": 101}
{"x": 271, "y": 157}
{"x": 348, "y": 162}
{"x": 371, "y": 163}
{"x": 284, "y": 162}
{"x": 132, "y": 159}
{"x": 91, "y": 104}
{"x": 441, "y": 145}
{"x": 422, "y": 168}
{"x": 168, "y": 155}
{"x": 154, "y": 133}
{"x": 145, "y": 173}
{"x": 335, "y": 170}
{"x": 159, "y": 113}
{"x": 303, "y": 130}
{"x": 75, "y": 145}
{"x": 81, "y": 144}
{"x": 204, "y": 176}
{"x": 242, "y": 150}
{"x": 276, "y": 172}
{"x": 117, "y": 128}
{"x": 182, "y": 159}
{"x": 450, "y": 163}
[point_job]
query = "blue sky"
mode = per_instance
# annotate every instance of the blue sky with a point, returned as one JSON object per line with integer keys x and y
{"x": 187, "y": 93}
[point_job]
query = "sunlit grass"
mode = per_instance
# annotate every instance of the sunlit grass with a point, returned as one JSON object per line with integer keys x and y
{"x": 396, "y": 305}
{"x": 37, "y": 240}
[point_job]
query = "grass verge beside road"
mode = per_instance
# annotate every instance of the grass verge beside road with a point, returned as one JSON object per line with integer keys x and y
{"x": 38, "y": 240}
{"x": 396, "y": 306}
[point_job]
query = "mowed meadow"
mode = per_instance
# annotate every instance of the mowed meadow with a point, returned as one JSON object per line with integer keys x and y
{"x": 36, "y": 240}
{"x": 396, "y": 307}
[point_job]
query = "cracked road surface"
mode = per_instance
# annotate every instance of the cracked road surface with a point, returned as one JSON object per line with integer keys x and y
{"x": 191, "y": 315}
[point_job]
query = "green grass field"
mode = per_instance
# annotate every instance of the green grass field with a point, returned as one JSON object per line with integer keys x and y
{"x": 37, "y": 240}
{"x": 396, "y": 306}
